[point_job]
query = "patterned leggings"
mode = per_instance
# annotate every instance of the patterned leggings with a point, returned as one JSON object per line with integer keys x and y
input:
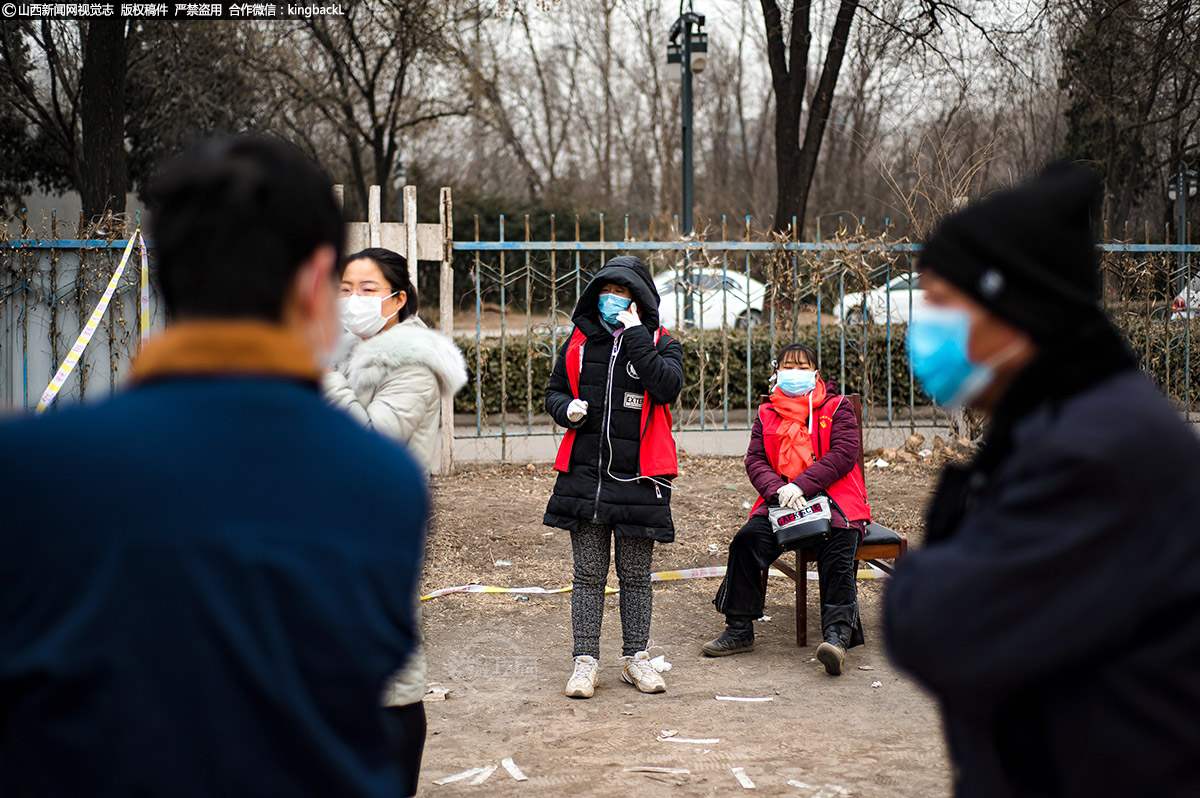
{"x": 634, "y": 556}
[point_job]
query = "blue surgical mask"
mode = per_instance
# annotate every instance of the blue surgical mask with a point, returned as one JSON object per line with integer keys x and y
{"x": 937, "y": 348}
{"x": 611, "y": 304}
{"x": 796, "y": 382}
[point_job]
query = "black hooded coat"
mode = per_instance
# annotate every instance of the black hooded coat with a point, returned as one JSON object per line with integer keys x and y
{"x": 1054, "y": 609}
{"x": 603, "y": 483}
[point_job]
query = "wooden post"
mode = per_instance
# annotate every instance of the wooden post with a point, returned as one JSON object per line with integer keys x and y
{"x": 446, "y": 316}
{"x": 374, "y": 214}
{"x": 410, "y": 231}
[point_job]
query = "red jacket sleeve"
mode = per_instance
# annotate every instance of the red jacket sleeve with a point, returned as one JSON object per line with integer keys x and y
{"x": 758, "y": 467}
{"x": 841, "y": 457}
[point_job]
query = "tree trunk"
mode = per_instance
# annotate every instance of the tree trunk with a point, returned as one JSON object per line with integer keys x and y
{"x": 796, "y": 163}
{"x": 104, "y": 178}
{"x": 818, "y": 114}
{"x": 790, "y": 195}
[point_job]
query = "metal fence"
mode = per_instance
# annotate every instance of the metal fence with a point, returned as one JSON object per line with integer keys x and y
{"x": 48, "y": 291}
{"x": 849, "y": 297}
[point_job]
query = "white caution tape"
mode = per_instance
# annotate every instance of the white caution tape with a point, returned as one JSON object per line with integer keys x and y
{"x": 870, "y": 572}
{"x": 89, "y": 329}
{"x": 144, "y": 301}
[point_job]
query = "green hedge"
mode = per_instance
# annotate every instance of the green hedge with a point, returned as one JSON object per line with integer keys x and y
{"x": 719, "y": 365}
{"x": 1162, "y": 349}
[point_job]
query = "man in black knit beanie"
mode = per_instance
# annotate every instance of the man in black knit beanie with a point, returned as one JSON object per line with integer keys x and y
{"x": 1053, "y": 609}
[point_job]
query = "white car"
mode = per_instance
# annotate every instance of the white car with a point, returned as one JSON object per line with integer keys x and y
{"x": 875, "y": 306}
{"x": 719, "y": 298}
{"x": 1187, "y": 304}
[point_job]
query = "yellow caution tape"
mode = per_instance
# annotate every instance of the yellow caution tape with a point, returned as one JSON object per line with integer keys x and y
{"x": 492, "y": 589}
{"x": 144, "y": 300}
{"x": 89, "y": 329}
{"x": 660, "y": 576}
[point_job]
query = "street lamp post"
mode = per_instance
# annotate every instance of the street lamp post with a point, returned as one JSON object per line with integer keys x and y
{"x": 1181, "y": 186}
{"x": 689, "y": 49}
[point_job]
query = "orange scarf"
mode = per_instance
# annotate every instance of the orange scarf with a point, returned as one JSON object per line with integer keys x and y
{"x": 795, "y": 440}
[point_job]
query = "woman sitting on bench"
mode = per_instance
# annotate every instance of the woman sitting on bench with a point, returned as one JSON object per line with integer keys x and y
{"x": 804, "y": 442}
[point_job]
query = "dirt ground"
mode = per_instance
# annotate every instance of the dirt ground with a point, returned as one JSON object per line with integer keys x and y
{"x": 505, "y": 659}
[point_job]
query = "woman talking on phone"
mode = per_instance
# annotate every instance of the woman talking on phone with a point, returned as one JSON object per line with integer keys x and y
{"x": 612, "y": 386}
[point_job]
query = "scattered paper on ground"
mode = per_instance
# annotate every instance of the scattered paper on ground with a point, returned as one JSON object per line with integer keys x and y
{"x": 671, "y": 738}
{"x": 825, "y": 791}
{"x": 877, "y": 684}
{"x": 743, "y": 779}
{"x": 483, "y": 775}
{"x": 466, "y": 774}
{"x": 513, "y": 770}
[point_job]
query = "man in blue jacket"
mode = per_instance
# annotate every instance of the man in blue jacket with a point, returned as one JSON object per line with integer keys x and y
{"x": 206, "y": 580}
{"x": 1054, "y": 610}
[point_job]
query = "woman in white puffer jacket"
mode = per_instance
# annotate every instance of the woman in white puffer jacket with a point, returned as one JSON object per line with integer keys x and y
{"x": 392, "y": 377}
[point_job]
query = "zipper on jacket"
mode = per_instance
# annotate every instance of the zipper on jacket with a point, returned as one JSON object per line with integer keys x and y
{"x": 605, "y": 428}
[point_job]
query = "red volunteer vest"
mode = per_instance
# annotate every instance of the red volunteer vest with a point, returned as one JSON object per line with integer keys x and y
{"x": 849, "y": 492}
{"x": 656, "y": 455}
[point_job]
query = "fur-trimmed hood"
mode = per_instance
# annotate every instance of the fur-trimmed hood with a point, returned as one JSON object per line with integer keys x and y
{"x": 367, "y": 363}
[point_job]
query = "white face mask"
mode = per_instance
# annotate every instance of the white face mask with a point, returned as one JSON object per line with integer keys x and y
{"x": 363, "y": 315}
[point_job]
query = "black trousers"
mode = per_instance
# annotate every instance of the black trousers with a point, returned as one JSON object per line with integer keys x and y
{"x": 408, "y": 726}
{"x": 754, "y": 548}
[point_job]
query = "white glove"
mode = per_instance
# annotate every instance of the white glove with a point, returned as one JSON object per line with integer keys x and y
{"x": 576, "y": 410}
{"x": 790, "y": 496}
{"x": 629, "y": 317}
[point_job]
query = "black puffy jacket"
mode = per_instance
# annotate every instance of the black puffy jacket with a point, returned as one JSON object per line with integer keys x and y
{"x": 603, "y": 483}
{"x": 1054, "y": 609}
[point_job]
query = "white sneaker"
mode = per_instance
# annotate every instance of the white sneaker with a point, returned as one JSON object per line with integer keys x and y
{"x": 638, "y": 671}
{"x": 582, "y": 683}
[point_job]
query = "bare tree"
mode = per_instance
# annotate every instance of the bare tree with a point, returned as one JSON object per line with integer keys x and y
{"x": 1131, "y": 69}
{"x": 103, "y": 102}
{"x": 365, "y": 78}
{"x": 787, "y": 54}
{"x": 77, "y": 108}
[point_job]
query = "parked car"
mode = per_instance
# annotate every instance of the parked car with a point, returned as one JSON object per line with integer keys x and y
{"x": 1187, "y": 304}
{"x": 876, "y": 305}
{"x": 718, "y": 298}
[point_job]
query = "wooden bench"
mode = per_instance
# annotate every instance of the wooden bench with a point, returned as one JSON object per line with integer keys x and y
{"x": 878, "y": 544}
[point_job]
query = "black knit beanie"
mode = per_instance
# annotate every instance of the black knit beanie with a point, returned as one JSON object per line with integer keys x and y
{"x": 1027, "y": 254}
